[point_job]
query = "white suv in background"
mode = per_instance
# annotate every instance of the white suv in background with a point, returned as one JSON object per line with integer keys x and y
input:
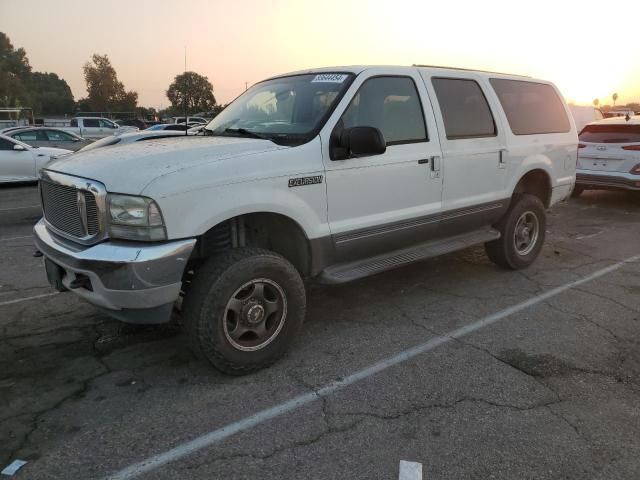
{"x": 609, "y": 155}
{"x": 333, "y": 174}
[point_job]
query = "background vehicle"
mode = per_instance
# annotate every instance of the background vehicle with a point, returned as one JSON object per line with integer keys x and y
{"x": 333, "y": 174}
{"x": 96, "y": 127}
{"x": 179, "y": 127}
{"x": 583, "y": 114}
{"x": 133, "y": 122}
{"x": 609, "y": 155}
{"x": 190, "y": 120}
{"x": 132, "y": 137}
{"x": 49, "y": 137}
{"x": 20, "y": 162}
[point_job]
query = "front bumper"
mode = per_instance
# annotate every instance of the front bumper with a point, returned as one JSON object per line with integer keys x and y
{"x": 132, "y": 281}
{"x": 607, "y": 180}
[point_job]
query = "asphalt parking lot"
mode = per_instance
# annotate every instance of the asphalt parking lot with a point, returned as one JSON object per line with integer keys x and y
{"x": 543, "y": 385}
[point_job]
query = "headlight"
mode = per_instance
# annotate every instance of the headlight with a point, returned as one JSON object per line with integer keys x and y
{"x": 135, "y": 218}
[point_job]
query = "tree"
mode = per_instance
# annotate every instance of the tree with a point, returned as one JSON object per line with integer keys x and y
{"x": 51, "y": 94}
{"x": 614, "y": 97}
{"x": 191, "y": 91}
{"x": 15, "y": 73}
{"x": 105, "y": 92}
{"x": 596, "y": 102}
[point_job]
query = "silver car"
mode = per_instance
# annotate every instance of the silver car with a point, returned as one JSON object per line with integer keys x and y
{"x": 49, "y": 137}
{"x": 609, "y": 155}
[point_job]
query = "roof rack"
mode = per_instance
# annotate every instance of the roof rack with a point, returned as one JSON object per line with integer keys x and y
{"x": 468, "y": 70}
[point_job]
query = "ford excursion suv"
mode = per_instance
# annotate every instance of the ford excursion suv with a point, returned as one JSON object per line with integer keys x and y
{"x": 331, "y": 174}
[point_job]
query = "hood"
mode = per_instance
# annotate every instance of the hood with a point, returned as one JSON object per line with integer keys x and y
{"x": 129, "y": 168}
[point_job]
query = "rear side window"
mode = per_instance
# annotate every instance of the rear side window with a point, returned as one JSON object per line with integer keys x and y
{"x": 32, "y": 136}
{"x": 610, "y": 134}
{"x": 465, "y": 111}
{"x": 391, "y": 104}
{"x": 91, "y": 123}
{"x": 531, "y": 108}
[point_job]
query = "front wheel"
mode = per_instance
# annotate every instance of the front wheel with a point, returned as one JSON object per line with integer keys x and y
{"x": 522, "y": 232}
{"x": 243, "y": 309}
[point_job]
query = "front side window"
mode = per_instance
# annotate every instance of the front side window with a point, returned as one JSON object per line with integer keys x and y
{"x": 465, "y": 111}
{"x": 57, "y": 136}
{"x": 106, "y": 124}
{"x": 531, "y": 108}
{"x": 288, "y": 110}
{"x": 392, "y": 105}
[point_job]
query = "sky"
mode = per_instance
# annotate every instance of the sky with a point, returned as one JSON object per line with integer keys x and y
{"x": 588, "y": 48}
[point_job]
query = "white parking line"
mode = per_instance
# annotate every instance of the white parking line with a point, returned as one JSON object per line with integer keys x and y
{"x": 295, "y": 403}
{"x": 410, "y": 470}
{"x": 15, "y": 238}
{"x": 19, "y": 208}
{"x": 25, "y": 299}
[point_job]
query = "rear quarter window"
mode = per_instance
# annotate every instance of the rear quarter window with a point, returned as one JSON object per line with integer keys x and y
{"x": 531, "y": 108}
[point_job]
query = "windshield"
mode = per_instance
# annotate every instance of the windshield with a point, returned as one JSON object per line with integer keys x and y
{"x": 612, "y": 133}
{"x": 288, "y": 110}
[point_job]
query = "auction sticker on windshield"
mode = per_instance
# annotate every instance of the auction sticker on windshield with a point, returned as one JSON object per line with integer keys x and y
{"x": 329, "y": 78}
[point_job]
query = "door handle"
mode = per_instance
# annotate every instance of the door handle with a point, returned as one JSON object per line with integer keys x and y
{"x": 435, "y": 166}
{"x": 502, "y": 162}
{"x": 422, "y": 161}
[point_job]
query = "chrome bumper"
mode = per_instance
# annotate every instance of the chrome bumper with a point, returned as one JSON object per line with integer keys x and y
{"x": 606, "y": 180}
{"x": 132, "y": 281}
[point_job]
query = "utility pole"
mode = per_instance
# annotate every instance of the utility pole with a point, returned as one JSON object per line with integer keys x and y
{"x": 186, "y": 117}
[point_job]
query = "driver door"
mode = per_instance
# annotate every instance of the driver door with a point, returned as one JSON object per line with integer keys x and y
{"x": 15, "y": 165}
{"x": 384, "y": 202}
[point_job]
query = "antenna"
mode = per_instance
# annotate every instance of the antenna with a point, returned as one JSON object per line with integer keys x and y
{"x": 184, "y": 97}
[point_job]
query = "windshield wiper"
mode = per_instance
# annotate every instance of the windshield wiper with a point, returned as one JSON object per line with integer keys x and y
{"x": 247, "y": 133}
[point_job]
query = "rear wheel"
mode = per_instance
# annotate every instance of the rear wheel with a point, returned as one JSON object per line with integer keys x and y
{"x": 577, "y": 191}
{"x": 243, "y": 309}
{"x": 522, "y": 232}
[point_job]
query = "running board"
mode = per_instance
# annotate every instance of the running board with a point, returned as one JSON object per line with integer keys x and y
{"x": 346, "y": 272}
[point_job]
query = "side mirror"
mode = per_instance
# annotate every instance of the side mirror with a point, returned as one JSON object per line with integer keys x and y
{"x": 19, "y": 148}
{"x": 360, "y": 142}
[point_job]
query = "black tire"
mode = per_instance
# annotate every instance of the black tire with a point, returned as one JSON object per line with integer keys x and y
{"x": 503, "y": 251}
{"x": 577, "y": 191}
{"x": 216, "y": 284}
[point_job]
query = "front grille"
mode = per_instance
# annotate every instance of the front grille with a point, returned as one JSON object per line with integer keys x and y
{"x": 62, "y": 209}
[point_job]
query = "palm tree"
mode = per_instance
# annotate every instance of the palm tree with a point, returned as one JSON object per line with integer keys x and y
{"x": 596, "y": 102}
{"x": 615, "y": 97}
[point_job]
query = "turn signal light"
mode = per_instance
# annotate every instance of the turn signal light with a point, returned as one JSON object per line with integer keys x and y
{"x": 635, "y": 170}
{"x": 632, "y": 147}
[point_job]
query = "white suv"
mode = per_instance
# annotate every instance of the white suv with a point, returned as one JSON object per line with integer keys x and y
{"x": 609, "y": 155}
{"x": 333, "y": 174}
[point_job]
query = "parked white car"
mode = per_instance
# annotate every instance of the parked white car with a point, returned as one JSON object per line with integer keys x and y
{"x": 609, "y": 155}
{"x": 333, "y": 174}
{"x": 126, "y": 138}
{"x": 96, "y": 127}
{"x": 583, "y": 114}
{"x": 20, "y": 162}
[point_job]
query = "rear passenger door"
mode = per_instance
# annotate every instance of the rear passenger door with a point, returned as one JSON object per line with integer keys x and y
{"x": 473, "y": 149}
{"x": 382, "y": 202}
